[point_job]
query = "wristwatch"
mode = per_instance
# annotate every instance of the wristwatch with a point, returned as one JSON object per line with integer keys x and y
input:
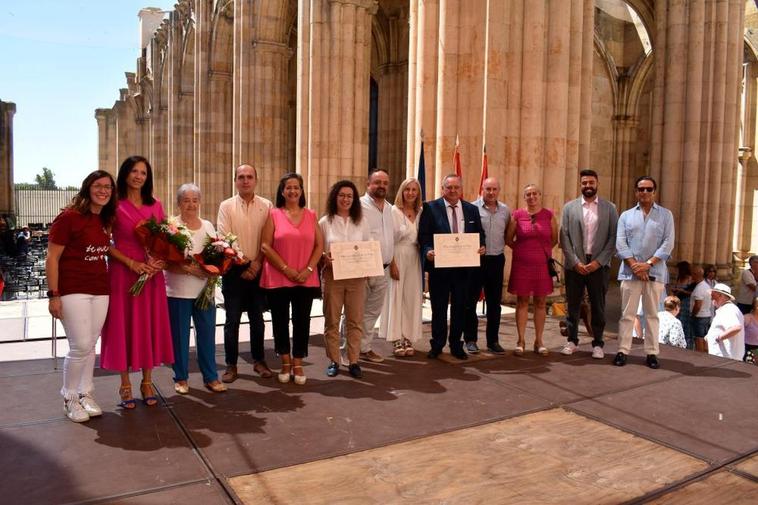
{"x": 52, "y": 293}
{"x": 649, "y": 262}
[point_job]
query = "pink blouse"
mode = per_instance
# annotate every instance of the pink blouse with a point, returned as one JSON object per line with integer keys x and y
{"x": 294, "y": 244}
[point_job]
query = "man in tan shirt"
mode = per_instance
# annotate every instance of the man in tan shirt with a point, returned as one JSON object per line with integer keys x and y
{"x": 244, "y": 215}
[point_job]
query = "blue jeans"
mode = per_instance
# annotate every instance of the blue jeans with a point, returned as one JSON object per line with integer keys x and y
{"x": 180, "y": 312}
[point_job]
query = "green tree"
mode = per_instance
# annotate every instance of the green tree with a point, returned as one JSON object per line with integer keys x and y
{"x": 46, "y": 180}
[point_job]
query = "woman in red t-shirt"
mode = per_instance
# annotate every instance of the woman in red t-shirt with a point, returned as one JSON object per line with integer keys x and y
{"x": 77, "y": 277}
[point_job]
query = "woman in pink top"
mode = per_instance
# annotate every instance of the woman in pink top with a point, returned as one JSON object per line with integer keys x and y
{"x": 292, "y": 244}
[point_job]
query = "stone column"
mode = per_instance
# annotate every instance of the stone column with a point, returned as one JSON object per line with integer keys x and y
{"x": 261, "y": 63}
{"x": 624, "y": 136}
{"x": 694, "y": 139}
{"x": 393, "y": 104}
{"x": 333, "y": 82}
{"x": 422, "y": 88}
{"x": 7, "y": 200}
{"x": 181, "y": 60}
{"x": 106, "y": 137}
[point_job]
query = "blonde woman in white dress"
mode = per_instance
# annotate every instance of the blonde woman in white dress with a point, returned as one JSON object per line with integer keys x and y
{"x": 402, "y": 326}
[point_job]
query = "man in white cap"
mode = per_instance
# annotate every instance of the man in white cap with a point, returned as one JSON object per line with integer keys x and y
{"x": 726, "y": 337}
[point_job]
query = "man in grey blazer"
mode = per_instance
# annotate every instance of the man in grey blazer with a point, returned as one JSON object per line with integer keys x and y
{"x": 588, "y": 241}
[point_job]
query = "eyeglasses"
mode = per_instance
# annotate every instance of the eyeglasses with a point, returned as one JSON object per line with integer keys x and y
{"x": 648, "y": 189}
{"x": 102, "y": 187}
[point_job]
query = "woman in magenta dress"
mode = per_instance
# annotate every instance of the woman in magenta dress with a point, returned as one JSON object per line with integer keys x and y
{"x": 137, "y": 333}
{"x": 532, "y": 234}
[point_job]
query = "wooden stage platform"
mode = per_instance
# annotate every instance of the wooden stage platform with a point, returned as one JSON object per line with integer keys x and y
{"x": 490, "y": 430}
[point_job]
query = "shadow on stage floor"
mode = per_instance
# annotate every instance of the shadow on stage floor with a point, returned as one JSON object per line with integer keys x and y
{"x": 703, "y": 410}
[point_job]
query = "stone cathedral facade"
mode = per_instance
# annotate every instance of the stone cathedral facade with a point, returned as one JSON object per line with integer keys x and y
{"x": 332, "y": 88}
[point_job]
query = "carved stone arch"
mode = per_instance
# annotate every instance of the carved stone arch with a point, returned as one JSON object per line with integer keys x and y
{"x": 751, "y": 46}
{"x": 380, "y": 53}
{"x": 221, "y": 54}
{"x": 640, "y": 75}
{"x": 187, "y": 68}
{"x": 646, "y": 11}
{"x": 609, "y": 64}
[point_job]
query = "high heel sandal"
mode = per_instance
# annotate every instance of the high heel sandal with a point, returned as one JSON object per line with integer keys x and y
{"x": 409, "y": 351}
{"x": 541, "y": 350}
{"x": 398, "y": 348}
{"x": 147, "y": 398}
{"x": 127, "y": 401}
{"x": 284, "y": 377}
{"x": 519, "y": 350}
{"x": 299, "y": 379}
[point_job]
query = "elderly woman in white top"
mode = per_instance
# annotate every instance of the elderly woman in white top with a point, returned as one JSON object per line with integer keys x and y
{"x": 184, "y": 283}
{"x": 343, "y": 222}
{"x": 670, "y": 330}
{"x": 402, "y": 326}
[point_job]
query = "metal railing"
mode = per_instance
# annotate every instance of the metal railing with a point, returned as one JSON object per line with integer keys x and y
{"x": 40, "y": 206}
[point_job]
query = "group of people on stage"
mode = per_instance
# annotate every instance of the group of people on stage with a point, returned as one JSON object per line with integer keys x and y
{"x": 94, "y": 257}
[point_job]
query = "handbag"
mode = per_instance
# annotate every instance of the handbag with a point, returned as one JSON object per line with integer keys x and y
{"x": 551, "y": 267}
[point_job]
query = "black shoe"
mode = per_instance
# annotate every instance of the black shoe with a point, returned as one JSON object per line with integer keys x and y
{"x": 495, "y": 349}
{"x": 332, "y": 370}
{"x": 652, "y": 361}
{"x": 620, "y": 359}
{"x": 433, "y": 354}
{"x": 355, "y": 370}
{"x": 472, "y": 348}
{"x": 458, "y": 353}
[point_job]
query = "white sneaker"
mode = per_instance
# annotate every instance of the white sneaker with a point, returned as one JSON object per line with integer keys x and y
{"x": 568, "y": 349}
{"x": 597, "y": 352}
{"x": 90, "y": 405}
{"x": 75, "y": 411}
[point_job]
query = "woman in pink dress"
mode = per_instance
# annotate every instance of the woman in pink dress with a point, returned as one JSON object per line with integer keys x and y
{"x": 292, "y": 243}
{"x": 532, "y": 234}
{"x": 137, "y": 333}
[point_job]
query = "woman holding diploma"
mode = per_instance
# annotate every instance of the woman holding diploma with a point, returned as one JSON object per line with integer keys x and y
{"x": 402, "y": 326}
{"x": 342, "y": 223}
{"x": 292, "y": 243}
{"x": 532, "y": 233}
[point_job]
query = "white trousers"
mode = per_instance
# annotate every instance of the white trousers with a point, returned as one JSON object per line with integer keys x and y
{"x": 648, "y": 293}
{"x": 83, "y": 318}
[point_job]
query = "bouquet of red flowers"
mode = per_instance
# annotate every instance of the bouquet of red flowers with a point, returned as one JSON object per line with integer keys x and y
{"x": 167, "y": 240}
{"x": 217, "y": 257}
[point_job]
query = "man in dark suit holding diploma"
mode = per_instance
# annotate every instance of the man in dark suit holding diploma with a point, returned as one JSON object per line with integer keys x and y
{"x": 449, "y": 214}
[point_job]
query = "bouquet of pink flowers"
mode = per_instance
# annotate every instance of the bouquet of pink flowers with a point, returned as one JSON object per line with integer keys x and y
{"x": 167, "y": 240}
{"x": 217, "y": 257}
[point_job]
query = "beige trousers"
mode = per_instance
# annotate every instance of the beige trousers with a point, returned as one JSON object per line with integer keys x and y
{"x": 349, "y": 294}
{"x": 650, "y": 293}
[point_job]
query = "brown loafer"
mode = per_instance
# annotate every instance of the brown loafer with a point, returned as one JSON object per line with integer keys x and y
{"x": 230, "y": 375}
{"x": 215, "y": 386}
{"x": 262, "y": 369}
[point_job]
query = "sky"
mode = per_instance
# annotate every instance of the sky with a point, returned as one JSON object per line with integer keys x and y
{"x": 62, "y": 59}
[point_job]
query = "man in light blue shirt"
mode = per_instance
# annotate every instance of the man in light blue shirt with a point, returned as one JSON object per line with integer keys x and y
{"x": 495, "y": 217}
{"x": 644, "y": 240}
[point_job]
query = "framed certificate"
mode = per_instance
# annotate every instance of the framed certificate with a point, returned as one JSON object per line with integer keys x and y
{"x": 356, "y": 259}
{"x": 456, "y": 250}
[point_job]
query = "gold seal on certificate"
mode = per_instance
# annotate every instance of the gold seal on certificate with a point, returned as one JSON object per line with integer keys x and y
{"x": 456, "y": 250}
{"x": 351, "y": 260}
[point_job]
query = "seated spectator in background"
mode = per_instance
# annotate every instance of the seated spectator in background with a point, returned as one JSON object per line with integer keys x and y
{"x": 748, "y": 283}
{"x": 670, "y": 331}
{"x": 22, "y": 241}
{"x": 726, "y": 337}
{"x": 751, "y": 333}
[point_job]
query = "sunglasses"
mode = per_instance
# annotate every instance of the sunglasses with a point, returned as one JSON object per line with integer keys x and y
{"x": 648, "y": 189}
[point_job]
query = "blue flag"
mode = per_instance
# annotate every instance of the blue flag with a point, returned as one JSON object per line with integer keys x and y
{"x": 422, "y": 173}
